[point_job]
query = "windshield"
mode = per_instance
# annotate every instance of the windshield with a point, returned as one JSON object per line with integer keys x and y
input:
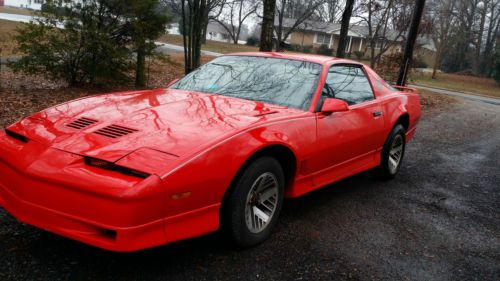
{"x": 283, "y": 82}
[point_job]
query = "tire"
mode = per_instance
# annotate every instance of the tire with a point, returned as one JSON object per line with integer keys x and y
{"x": 392, "y": 153}
{"x": 245, "y": 225}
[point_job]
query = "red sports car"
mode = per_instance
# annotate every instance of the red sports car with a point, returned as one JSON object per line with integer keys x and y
{"x": 219, "y": 148}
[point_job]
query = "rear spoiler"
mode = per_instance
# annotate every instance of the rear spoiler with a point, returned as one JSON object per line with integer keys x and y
{"x": 405, "y": 89}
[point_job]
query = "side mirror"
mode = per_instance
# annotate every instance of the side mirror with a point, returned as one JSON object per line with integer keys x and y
{"x": 331, "y": 105}
{"x": 172, "y": 82}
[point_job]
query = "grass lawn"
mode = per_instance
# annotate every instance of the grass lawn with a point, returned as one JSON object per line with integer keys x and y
{"x": 470, "y": 84}
{"x": 17, "y": 11}
{"x": 213, "y": 46}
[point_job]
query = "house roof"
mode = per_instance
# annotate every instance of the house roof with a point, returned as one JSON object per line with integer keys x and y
{"x": 361, "y": 31}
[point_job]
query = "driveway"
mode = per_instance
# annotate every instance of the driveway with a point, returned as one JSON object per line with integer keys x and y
{"x": 464, "y": 95}
{"x": 438, "y": 220}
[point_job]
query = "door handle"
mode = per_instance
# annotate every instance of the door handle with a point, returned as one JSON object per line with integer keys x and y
{"x": 377, "y": 113}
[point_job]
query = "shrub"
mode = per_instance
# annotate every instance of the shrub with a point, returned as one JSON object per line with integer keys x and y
{"x": 496, "y": 65}
{"x": 84, "y": 43}
{"x": 496, "y": 72}
{"x": 81, "y": 52}
{"x": 253, "y": 41}
{"x": 299, "y": 48}
{"x": 388, "y": 67}
{"x": 359, "y": 55}
{"x": 307, "y": 49}
{"x": 418, "y": 62}
{"x": 324, "y": 50}
{"x": 294, "y": 48}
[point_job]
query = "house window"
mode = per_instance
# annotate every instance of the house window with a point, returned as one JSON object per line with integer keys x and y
{"x": 38, "y": 1}
{"x": 323, "y": 38}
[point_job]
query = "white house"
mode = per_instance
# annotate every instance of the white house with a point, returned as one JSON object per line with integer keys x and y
{"x": 29, "y": 4}
{"x": 215, "y": 32}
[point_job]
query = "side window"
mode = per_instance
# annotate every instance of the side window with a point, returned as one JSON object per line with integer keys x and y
{"x": 348, "y": 83}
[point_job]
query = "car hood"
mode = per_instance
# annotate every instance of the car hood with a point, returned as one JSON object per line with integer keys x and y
{"x": 176, "y": 122}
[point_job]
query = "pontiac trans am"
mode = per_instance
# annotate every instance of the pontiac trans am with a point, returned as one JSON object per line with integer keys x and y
{"x": 218, "y": 149}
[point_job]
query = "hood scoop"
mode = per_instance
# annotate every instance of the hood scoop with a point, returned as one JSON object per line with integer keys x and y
{"x": 81, "y": 123}
{"x": 115, "y": 131}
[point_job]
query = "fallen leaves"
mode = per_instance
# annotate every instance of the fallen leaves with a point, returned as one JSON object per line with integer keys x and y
{"x": 22, "y": 95}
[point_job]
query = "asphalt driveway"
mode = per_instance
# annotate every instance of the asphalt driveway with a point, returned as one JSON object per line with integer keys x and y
{"x": 438, "y": 220}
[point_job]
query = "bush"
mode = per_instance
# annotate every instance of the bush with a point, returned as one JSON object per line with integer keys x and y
{"x": 388, "y": 67}
{"x": 299, "y": 48}
{"x": 496, "y": 65}
{"x": 81, "y": 52}
{"x": 418, "y": 62}
{"x": 93, "y": 47}
{"x": 253, "y": 41}
{"x": 324, "y": 50}
{"x": 294, "y": 48}
{"x": 307, "y": 49}
{"x": 359, "y": 55}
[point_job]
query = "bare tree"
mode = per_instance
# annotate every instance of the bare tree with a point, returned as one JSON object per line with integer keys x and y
{"x": 467, "y": 15}
{"x": 238, "y": 12}
{"x": 298, "y": 11}
{"x": 346, "y": 18}
{"x": 213, "y": 11}
{"x": 192, "y": 12}
{"x": 383, "y": 20}
{"x": 266, "y": 35}
{"x": 331, "y": 11}
{"x": 442, "y": 14}
{"x": 493, "y": 21}
{"x": 410, "y": 42}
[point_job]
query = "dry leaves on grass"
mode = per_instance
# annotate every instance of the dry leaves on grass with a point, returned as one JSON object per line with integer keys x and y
{"x": 430, "y": 100}
{"x": 22, "y": 95}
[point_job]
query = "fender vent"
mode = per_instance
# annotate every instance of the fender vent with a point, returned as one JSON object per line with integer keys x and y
{"x": 115, "y": 131}
{"x": 81, "y": 123}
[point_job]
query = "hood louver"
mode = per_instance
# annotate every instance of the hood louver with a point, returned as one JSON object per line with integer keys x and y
{"x": 115, "y": 131}
{"x": 81, "y": 123}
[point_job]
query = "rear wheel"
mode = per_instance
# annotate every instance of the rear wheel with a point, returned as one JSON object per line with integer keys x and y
{"x": 392, "y": 153}
{"x": 252, "y": 209}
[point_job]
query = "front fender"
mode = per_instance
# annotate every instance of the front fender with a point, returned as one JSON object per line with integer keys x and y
{"x": 207, "y": 176}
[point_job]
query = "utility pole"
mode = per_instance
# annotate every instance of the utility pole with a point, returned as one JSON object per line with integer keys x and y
{"x": 410, "y": 43}
{"x": 346, "y": 18}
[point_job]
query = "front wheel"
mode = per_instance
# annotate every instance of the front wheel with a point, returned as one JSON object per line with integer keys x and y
{"x": 392, "y": 153}
{"x": 252, "y": 209}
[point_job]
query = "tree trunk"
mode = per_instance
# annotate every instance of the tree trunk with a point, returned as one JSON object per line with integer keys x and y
{"x": 204, "y": 32}
{"x": 437, "y": 63}
{"x": 204, "y": 26}
{"x": 410, "y": 43}
{"x": 140, "y": 68}
{"x": 192, "y": 36}
{"x": 266, "y": 35}
{"x": 373, "y": 44}
{"x": 346, "y": 18}
{"x": 477, "y": 61}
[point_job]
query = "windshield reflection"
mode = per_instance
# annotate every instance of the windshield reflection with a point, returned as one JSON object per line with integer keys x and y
{"x": 282, "y": 82}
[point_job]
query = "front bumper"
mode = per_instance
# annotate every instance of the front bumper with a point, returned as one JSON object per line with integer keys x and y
{"x": 119, "y": 239}
{"x": 56, "y": 191}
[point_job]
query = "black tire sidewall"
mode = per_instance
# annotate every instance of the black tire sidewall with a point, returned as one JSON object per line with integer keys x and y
{"x": 384, "y": 170}
{"x": 234, "y": 209}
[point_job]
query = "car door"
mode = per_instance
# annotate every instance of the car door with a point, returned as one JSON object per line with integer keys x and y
{"x": 348, "y": 141}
